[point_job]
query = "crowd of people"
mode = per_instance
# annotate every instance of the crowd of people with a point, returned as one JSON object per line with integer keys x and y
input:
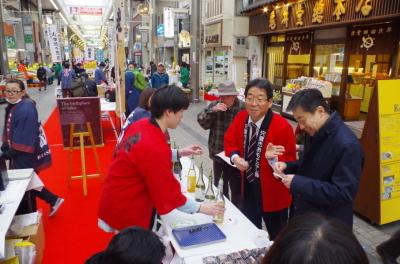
{"x": 304, "y": 199}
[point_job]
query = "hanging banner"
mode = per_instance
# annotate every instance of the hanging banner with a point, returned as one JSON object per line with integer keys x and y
{"x": 169, "y": 22}
{"x": 90, "y": 54}
{"x": 54, "y": 43}
{"x": 93, "y": 11}
{"x": 119, "y": 22}
{"x": 111, "y": 45}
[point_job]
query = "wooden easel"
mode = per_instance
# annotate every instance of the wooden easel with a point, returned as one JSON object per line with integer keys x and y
{"x": 81, "y": 135}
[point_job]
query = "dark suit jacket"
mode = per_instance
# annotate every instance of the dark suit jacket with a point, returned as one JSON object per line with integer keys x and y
{"x": 328, "y": 174}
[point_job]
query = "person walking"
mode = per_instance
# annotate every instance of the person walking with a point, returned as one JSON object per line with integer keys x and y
{"x": 57, "y": 71}
{"x": 99, "y": 75}
{"x": 217, "y": 117}
{"x": 42, "y": 77}
{"x": 185, "y": 74}
{"x": 67, "y": 76}
{"x": 24, "y": 141}
{"x": 246, "y": 141}
{"x": 132, "y": 94}
{"x": 319, "y": 184}
{"x": 160, "y": 77}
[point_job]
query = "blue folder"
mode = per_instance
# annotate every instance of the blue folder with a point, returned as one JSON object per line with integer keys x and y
{"x": 198, "y": 235}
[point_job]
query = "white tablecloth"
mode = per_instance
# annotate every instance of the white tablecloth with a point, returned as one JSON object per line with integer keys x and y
{"x": 20, "y": 181}
{"x": 240, "y": 232}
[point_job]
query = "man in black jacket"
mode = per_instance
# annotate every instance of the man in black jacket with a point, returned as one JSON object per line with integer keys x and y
{"x": 326, "y": 178}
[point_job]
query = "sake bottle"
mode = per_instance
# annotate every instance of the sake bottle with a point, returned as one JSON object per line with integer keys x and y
{"x": 209, "y": 196}
{"x": 191, "y": 177}
{"x": 200, "y": 186}
{"x": 220, "y": 200}
{"x": 178, "y": 166}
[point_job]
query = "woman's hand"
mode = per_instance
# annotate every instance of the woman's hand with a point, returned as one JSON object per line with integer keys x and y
{"x": 191, "y": 150}
{"x": 212, "y": 209}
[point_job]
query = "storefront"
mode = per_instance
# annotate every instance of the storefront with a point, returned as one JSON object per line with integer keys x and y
{"x": 350, "y": 44}
{"x": 216, "y": 57}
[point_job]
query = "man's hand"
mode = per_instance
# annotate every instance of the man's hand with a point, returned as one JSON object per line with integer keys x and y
{"x": 279, "y": 167}
{"x": 273, "y": 151}
{"x": 240, "y": 163}
{"x": 220, "y": 107}
{"x": 287, "y": 180}
{"x": 191, "y": 150}
{"x": 212, "y": 209}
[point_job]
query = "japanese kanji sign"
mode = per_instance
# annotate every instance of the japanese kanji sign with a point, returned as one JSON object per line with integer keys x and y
{"x": 54, "y": 43}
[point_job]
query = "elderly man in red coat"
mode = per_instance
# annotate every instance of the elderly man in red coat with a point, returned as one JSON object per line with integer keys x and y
{"x": 249, "y": 143}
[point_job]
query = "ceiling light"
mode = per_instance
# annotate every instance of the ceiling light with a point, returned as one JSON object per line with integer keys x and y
{"x": 54, "y": 4}
{"x": 63, "y": 18}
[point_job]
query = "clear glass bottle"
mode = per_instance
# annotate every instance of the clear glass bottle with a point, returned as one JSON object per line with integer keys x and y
{"x": 210, "y": 195}
{"x": 220, "y": 199}
{"x": 200, "y": 186}
{"x": 191, "y": 177}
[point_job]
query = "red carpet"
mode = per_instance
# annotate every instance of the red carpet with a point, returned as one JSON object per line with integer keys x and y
{"x": 72, "y": 235}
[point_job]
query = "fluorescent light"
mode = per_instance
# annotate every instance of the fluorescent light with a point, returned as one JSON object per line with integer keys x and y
{"x": 111, "y": 16}
{"x": 63, "y": 18}
{"x": 54, "y": 4}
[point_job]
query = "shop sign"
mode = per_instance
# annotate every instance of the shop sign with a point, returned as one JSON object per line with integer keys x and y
{"x": 11, "y": 44}
{"x": 299, "y": 43}
{"x": 54, "y": 43}
{"x": 184, "y": 39}
{"x": 89, "y": 54}
{"x": 99, "y": 55}
{"x": 212, "y": 34}
{"x": 137, "y": 46}
{"x": 169, "y": 25}
{"x": 93, "y": 11}
{"x": 28, "y": 38}
{"x": 160, "y": 30}
{"x": 373, "y": 38}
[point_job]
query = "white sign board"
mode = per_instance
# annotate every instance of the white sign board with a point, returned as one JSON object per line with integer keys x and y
{"x": 54, "y": 43}
{"x": 90, "y": 54}
{"x": 169, "y": 22}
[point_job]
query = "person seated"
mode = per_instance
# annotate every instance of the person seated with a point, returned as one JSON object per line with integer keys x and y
{"x": 316, "y": 239}
{"x": 133, "y": 245}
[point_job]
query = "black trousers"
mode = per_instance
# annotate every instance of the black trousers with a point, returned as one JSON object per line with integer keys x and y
{"x": 231, "y": 180}
{"x": 391, "y": 247}
{"x": 253, "y": 210}
{"x": 28, "y": 203}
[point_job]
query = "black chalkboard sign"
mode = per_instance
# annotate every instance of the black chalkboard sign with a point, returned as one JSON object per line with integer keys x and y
{"x": 79, "y": 111}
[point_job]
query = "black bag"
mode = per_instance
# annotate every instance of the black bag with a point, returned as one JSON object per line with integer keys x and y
{"x": 110, "y": 95}
{"x": 91, "y": 88}
{"x": 77, "y": 87}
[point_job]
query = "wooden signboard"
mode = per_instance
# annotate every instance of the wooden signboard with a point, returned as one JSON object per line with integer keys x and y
{"x": 78, "y": 111}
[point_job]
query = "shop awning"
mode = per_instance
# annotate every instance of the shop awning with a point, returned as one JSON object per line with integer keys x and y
{"x": 256, "y": 5}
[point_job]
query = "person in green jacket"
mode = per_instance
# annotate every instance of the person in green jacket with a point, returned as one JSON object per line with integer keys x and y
{"x": 57, "y": 71}
{"x": 185, "y": 73}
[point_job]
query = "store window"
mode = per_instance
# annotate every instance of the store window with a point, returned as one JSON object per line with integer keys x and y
{"x": 217, "y": 65}
{"x": 328, "y": 64}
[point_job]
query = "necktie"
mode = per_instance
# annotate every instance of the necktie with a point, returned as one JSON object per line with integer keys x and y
{"x": 251, "y": 153}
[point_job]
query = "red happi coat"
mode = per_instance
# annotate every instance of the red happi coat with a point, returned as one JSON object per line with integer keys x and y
{"x": 140, "y": 179}
{"x": 274, "y": 194}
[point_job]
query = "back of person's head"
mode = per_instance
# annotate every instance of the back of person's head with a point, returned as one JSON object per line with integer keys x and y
{"x": 66, "y": 65}
{"x": 308, "y": 100}
{"x": 262, "y": 84}
{"x": 144, "y": 98}
{"x": 133, "y": 245}
{"x": 316, "y": 239}
{"x": 102, "y": 64}
{"x": 168, "y": 97}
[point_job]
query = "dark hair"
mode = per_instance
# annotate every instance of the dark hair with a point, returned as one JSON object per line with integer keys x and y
{"x": 261, "y": 83}
{"x": 316, "y": 239}
{"x": 66, "y": 65}
{"x": 145, "y": 96}
{"x": 133, "y": 245}
{"x": 20, "y": 83}
{"x": 102, "y": 64}
{"x": 168, "y": 97}
{"x": 308, "y": 100}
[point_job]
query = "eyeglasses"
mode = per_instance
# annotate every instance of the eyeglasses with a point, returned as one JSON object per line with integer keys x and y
{"x": 259, "y": 100}
{"x": 12, "y": 91}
